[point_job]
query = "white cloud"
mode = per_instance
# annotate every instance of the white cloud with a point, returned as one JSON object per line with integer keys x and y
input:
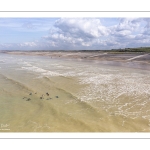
{"x": 87, "y": 33}
{"x": 122, "y": 33}
{"x": 146, "y": 30}
{"x": 77, "y": 32}
{"x": 81, "y": 27}
{"x": 128, "y": 24}
{"x": 125, "y": 27}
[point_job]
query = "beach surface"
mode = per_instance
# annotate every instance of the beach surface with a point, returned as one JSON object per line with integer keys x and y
{"x": 90, "y": 55}
{"x": 74, "y": 91}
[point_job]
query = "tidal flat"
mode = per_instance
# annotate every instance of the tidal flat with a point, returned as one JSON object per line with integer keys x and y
{"x": 74, "y": 92}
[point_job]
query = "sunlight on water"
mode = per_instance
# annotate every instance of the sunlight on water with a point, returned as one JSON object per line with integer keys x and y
{"x": 40, "y": 94}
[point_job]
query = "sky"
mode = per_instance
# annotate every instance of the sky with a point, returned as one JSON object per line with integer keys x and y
{"x": 73, "y": 33}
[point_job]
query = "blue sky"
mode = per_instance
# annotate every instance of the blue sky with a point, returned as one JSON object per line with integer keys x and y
{"x": 73, "y": 33}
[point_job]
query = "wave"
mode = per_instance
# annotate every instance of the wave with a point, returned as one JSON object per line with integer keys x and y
{"x": 33, "y": 68}
{"x": 83, "y": 104}
{"x": 51, "y": 73}
{"x": 66, "y": 119}
{"x": 26, "y": 63}
{"x": 43, "y": 72}
{"x": 17, "y": 83}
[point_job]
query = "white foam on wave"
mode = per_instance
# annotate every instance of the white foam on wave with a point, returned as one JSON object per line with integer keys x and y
{"x": 116, "y": 83}
{"x": 26, "y": 64}
{"x": 34, "y": 68}
{"x": 51, "y": 73}
{"x": 43, "y": 72}
{"x": 121, "y": 92}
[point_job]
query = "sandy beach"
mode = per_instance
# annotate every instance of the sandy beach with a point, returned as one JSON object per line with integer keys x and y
{"x": 89, "y": 55}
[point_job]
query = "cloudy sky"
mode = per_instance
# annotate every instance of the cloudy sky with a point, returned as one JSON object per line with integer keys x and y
{"x": 73, "y": 33}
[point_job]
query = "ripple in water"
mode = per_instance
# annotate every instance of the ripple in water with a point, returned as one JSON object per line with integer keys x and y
{"x": 92, "y": 97}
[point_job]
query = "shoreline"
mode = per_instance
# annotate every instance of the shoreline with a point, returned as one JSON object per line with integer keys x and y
{"x": 89, "y": 55}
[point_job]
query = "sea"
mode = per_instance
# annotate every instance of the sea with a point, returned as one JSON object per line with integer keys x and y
{"x": 44, "y": 94}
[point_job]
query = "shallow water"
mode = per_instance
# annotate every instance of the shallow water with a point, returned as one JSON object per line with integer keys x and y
{"x": 84, "y": 96}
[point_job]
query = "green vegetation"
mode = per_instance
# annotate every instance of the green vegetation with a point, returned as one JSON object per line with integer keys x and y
{"x": 139, "y": 49}
{"x": 121, "y": 50}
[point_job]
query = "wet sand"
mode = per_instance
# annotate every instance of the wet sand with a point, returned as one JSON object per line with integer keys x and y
{"x": 89, "y": 55}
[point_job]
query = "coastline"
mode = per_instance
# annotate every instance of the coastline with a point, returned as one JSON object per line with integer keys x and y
{"x": 89, "y": 55}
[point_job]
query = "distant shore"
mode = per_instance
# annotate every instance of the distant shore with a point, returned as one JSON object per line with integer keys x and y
{"x": 126, "y": 56}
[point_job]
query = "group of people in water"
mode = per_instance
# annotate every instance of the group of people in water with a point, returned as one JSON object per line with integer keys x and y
{"x": 42, "y": 97}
